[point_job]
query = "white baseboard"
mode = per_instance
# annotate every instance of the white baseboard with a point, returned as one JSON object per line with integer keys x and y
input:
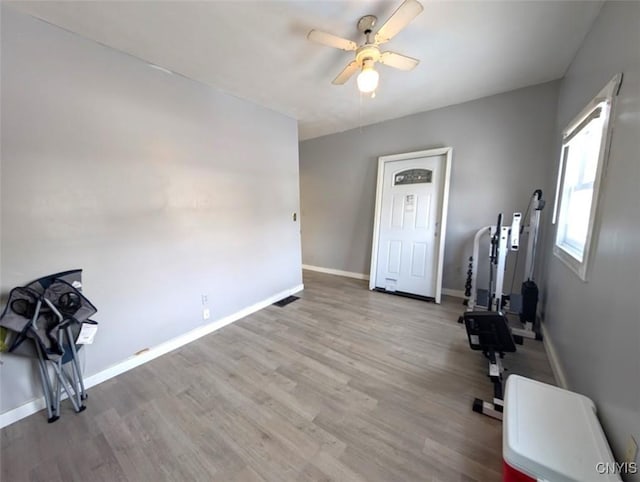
{"x": 554, "y": 361}
{"x": 337, "y": 272}
{"x": 456, "y": 293}
{"x": 23, "y": 411}
{"x": 37, "y": 404}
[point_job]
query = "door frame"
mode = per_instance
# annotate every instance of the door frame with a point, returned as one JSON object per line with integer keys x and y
{"x": 442, "y": 215}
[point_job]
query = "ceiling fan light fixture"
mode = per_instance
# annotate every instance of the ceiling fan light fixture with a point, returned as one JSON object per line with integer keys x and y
{"x": 368, "y": 79}
{"x": 368, "y": 52}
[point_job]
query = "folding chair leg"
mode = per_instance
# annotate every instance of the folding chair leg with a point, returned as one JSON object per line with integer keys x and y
{"x": 76, "y": 366}
{"x": 58, "y": 387}
{"x": 73, "y": 380}
{"x": 57, "y": 366}
{"x": 52, "y": 413}
{"x": 65, "y": 383}
{"x": 74, "y": 376}
{"x": 58, "y": 396}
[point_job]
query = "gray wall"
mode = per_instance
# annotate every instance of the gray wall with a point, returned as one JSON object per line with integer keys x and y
{"x": 502, "y": 151}
{"x": 161, "y": 188}
{"x": 595, "y": 326}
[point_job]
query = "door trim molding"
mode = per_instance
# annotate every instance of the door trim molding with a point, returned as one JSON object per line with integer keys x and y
{"x": 444, "y": 208}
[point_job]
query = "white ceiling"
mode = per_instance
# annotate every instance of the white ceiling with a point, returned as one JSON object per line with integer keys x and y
{"x": 258, "y": 50}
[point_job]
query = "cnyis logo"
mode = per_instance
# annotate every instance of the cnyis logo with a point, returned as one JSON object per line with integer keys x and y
{"x": 617, "y": 468}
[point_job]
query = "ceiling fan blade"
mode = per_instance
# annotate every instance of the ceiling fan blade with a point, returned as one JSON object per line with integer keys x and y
{"x": 346, "y": 74}
{"x": 405, "y": 13}
{"x": 398, "y": 61}
{"x": 330, "y": 40}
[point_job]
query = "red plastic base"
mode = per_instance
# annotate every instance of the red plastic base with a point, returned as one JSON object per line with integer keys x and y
{"x": 509, "y": 474}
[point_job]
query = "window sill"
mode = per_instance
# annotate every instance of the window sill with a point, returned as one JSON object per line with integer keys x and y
{"x": 579, "y": 268}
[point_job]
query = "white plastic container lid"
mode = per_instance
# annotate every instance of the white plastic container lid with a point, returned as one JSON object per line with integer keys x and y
{"x": 553, "y": 434}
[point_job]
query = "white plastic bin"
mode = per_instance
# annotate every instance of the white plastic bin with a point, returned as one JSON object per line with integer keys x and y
{"x": 551, "y": 434}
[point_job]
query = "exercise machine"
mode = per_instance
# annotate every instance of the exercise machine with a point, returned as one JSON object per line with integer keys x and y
{"x": 489, "y": 332}
{"x": 504, "y": 239}
{"x": 485, "y": 320}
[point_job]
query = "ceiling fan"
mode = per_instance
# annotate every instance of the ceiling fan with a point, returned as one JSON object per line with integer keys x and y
{"x": 369, "y": 53}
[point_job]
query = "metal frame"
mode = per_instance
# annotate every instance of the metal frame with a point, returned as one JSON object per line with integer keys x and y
{"x": 489, "y": 332}
{"x": 72, "y": 385}
{"x": 495, "y": 408}
{"x": 507, "y": 242}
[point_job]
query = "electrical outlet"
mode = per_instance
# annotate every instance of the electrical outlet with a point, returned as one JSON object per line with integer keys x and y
{"x": 205, "y": 300}
{"x": 631, "y": 453}
{"x": 206, "y": 314}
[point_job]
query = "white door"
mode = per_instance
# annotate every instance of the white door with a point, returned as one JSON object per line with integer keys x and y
{"x": 407, "y": 257}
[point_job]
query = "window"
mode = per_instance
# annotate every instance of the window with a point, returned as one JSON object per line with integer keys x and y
{"x": 413, "y": 176}
{"x": 585, "y": 145}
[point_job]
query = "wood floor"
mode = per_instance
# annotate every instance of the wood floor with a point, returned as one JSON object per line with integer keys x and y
{"x": 343, "y": 384}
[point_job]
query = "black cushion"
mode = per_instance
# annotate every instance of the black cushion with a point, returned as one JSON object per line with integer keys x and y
{"x": 489, "y": 331}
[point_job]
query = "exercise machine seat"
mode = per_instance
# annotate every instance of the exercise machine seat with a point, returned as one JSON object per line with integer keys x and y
{"x": 489, "y": 331}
